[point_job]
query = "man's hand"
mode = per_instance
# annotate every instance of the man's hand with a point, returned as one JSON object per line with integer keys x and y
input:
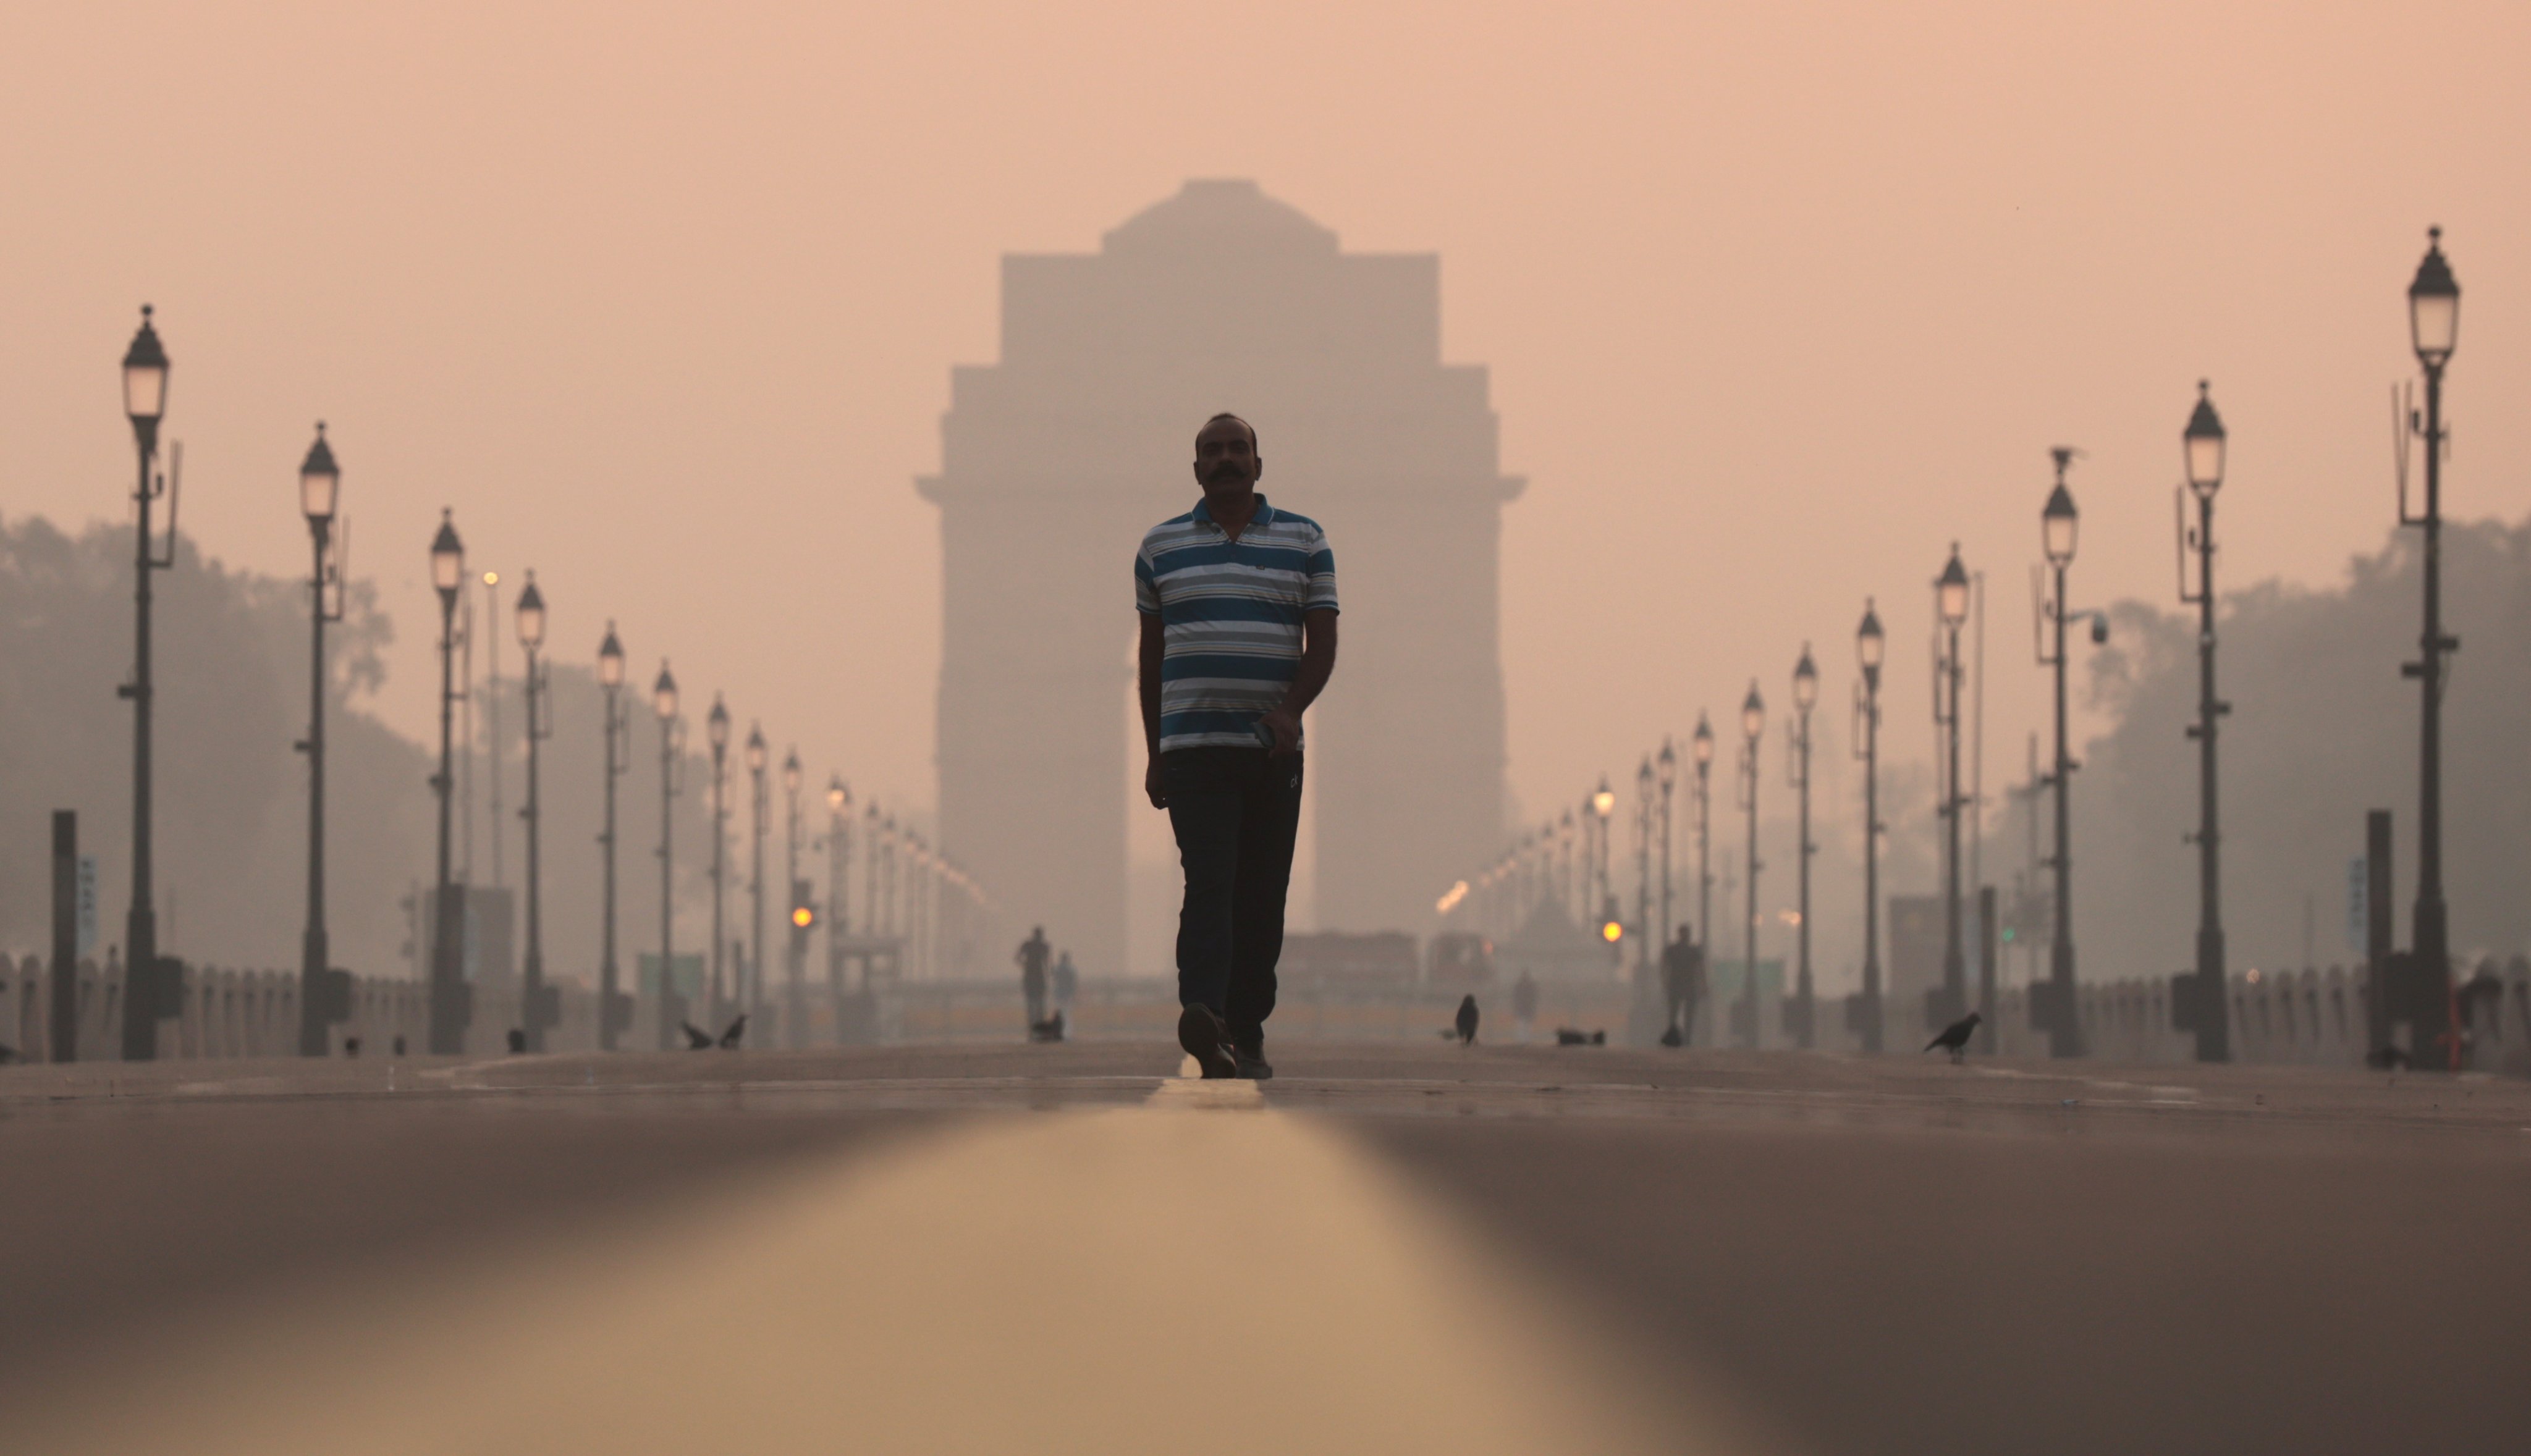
{"x": 1153, "y": 785}
{"x": 1285, "y": 725}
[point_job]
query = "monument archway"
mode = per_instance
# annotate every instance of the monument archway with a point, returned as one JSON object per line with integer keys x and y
{"x": 1057, "y": 459}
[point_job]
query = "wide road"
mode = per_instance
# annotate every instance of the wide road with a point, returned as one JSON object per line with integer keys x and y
{"x": 1390, "y": 1249}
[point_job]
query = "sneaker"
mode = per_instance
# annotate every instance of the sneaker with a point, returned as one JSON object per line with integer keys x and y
{"x": 1251, "y": 1064}
{"x": 1204, "y": 1038}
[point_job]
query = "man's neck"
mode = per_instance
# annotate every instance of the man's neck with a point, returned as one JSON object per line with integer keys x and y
{"x": 1232, "y": 513}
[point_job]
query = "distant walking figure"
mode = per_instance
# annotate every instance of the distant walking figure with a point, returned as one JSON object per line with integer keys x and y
{"x": 1955, "y": 1036}
{"x": 1067, "y": 984}
{"x": 1524, "y": 1004}
{"x": 1238, "y": 603}
{"x": 1031, "y": 959}
{"x": 1683, "y": 981}
{"x": 1468, "y": 1020}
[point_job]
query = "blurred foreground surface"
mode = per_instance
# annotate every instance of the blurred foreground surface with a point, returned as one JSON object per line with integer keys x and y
{"x": 1393, "y": 1249}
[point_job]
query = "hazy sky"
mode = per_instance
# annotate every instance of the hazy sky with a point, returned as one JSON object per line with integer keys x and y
{"x": 1778, "y": 300}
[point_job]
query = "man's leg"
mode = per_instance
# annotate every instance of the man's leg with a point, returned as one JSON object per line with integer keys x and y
{"x": 1204, "y": 814}
{"x": 1270, "y": 817}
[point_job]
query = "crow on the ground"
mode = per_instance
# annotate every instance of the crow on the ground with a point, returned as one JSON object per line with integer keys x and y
{"x": 697, "y": 1039}
{"x": 1468, "y": 1020}
{"x": 1955, "y": 1036}
{"x": 737, "y": 1028}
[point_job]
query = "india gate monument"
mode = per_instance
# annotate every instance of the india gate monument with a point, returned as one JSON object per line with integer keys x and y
{"x": 1055, "y": 460}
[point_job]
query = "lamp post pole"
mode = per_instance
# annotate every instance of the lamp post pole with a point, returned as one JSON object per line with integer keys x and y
{"x": 751, "y": 985}
{"x": 2433, "y": 325}
{"x": 2057, "y": 527}
{"x": 531, "y": 614}
{"x": 1870, "y": 648}
{"x": 144, "y": 403}
{"x": 663, "y": 702}
{"x": 1805, "y": 697}
{"x": 839, "y": 856}
{"x": 449, "y": 1010}
{"x": 1700, "y": 747}
{"x": 1951, "y": 606}
{"x": 1604, "y": 803}
{"x": 319, "y": 483}
{"x": 2205, "y": 443}
{"x": 610, "y": 679}
{"x": 1668, "y": 769}
{"x": 716, "y": 732}
{"x": 1644, "y": 802}
{"x": 795, "y": 992}
{"x": 1753, "y": 727}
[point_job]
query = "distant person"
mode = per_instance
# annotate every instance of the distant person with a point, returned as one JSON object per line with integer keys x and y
{"x": 1030, "y": 957}
{"x": 1524, "y": 1004}
{"x": 399, "y": 1043}
{"x": 1238, "y": 604}
{"x": 1683, "y": 981}
{"x": 1067, "y": 984}
{"x": 518, "y": 1041}
{"x": 1467, "y": 1022}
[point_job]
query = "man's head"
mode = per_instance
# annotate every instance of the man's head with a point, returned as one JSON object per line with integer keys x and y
{"x": 1226, "y": 460}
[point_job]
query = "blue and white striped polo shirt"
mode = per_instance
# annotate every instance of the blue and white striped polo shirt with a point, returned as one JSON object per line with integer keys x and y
{"x": 1230, "y": 616}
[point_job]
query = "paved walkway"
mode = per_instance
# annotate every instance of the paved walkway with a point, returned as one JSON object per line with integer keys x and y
{"x": 1390, "y": 1249}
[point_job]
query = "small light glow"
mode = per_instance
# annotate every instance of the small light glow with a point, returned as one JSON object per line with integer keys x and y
{"x": 1450, "y": 900}
{"x": 1613, "y": 932}
{"x": 804, "y": 917}
{"x": 492, "y": 578}
{"x": 2254, "y": 975}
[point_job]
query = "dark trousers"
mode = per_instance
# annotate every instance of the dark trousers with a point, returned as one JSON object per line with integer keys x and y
{"x": 1235, "y": 811}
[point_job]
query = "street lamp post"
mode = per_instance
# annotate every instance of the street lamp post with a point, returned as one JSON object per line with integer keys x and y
{"x": 529, "y": 612}
{"x": 449, "y": 1007}
{"x": 2057, "y": 525}
{"x": 1604, "y": 803}
{"x": 2434, "y": 329}
{"x": 1871, "y": 648}
{"x": 839, "y": 854}
{"x": 319, "y": 489}
{"x": 1701, "y": 749}
{"x": 795, "y": 993}
{"x": 1667, "y": 764}
{"x": 1952, "y": 607}
{"x": 716, "y": 734}
{"x": 1753, "y": 727}
{"x": 2204, "y": 443}
{"x": 145, "y": 404}
{"x": 663, "y": 702}
{"x": 1643, "y": 809}
{"x": 750, "y": 985}
{"x": 1805, "y": 697}
{"x": 619, "y": 727}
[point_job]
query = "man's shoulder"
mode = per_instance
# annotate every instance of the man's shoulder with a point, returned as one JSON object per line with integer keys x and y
{"x": 1176, "y": 528}
{"x": 1294, "y": 520}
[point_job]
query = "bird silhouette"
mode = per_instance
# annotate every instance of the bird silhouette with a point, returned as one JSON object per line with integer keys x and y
{"x": 1467, "y": 1021}
{"x": 737, "y": 1028}
{"x": 1955, "y": 1036}
{"x": 697, "y": 1039}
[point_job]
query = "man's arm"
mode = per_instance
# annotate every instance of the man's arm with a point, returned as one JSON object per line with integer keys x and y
{"x": 1317, "y": 664}
{"x": 1147, "y": 672}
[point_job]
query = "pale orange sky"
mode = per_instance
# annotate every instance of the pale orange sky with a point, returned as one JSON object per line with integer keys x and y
{"x": 1778, "y": 300}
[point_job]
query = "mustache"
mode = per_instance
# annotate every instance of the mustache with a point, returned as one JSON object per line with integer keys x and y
{"x": 1224, "y": 474}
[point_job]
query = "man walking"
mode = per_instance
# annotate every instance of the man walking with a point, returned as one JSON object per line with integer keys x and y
{"x": 1031, "y": 961}
{"x": 1683, "y": 978}
{"x": 1238, "y": 603}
